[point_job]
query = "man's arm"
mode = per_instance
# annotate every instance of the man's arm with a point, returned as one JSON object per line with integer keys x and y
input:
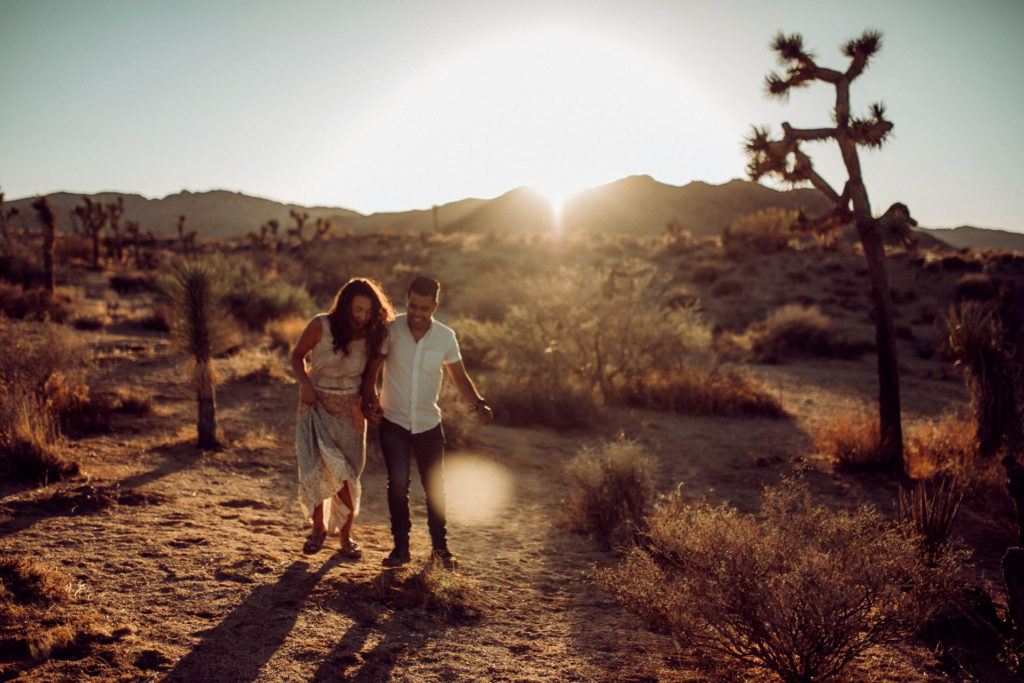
{"x": 467, "y": 389}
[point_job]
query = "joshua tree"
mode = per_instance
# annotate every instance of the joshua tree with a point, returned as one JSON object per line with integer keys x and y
{"x": 783, "y": 158}
{"x": 201, "y": 332}
{"x": 116, "y": 210}
{"x": 132, "y": 229}
{"x": 5, "y": 222}
{"x": 322, "y": 228}
{"x": 49, "y": 220}
{"x": 300, "y": 219}
{"x": 94, "y": 216}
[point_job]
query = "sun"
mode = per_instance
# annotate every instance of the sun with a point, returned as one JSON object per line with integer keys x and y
{"x": 553, "y": 108}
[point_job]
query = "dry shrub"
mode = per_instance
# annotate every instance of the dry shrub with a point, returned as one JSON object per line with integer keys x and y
{"x": 595, "y": 330}
{"x": 284, "y": 332}
{"x": 521, "y": 402}
{"x": 974, "y": 287}
{"x": 765, "y": 232}
{"x": 706, "y": 274}
{"x": 943, "y": 448}
{"x": 796, "y": 330}
{"x": 610, "y": 489}
{"x": 798, "y": 589}
{"x": 454, "y": 595}
{"x": 852, "y": 439}
{"x": 33, "y": 304}
{"x": 458, "y": 418}
{"x": 40, "y": 375}
{"x": 693, "y": 390}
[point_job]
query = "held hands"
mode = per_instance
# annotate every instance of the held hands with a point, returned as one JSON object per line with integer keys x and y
{"x": 484, "y": 412}
{"x": 372, "y": 410}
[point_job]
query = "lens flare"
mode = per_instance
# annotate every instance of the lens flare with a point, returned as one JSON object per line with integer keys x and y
{"x": 477, "y": 488}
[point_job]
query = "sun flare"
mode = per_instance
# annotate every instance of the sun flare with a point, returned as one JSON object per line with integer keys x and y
{"x": 478, "y": 488}
{"x": 555, "y": 109}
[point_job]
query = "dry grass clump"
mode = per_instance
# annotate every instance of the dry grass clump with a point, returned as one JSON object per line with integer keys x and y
{"x": 41, "y": 375}
{"x": 693, "y": 390}
{"x": 852, "y": 439}
{"x": 798, "y": 590}
{"x": 284, "y": 332}
{"x": 36, "y": 623}
{"x": 37, "y": 304}
{"x": 796, "y": 330}
{"x": 765, "y": 232}
{"x": 610, "y": 490}
{"x": 452, "y": 594}
{"x": 943, "y": 448}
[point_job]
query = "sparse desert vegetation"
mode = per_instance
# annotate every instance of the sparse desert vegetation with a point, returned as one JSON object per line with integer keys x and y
{"x": 696, "y": 441}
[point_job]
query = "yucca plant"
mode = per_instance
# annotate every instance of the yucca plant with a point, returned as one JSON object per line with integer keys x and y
{"x": 929, "y": 515}
{"x": 976, "y": 343}
{"x": 201, "y": 331}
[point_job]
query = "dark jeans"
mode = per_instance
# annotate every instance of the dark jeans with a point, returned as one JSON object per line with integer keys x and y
{"x": 397, "y": 445}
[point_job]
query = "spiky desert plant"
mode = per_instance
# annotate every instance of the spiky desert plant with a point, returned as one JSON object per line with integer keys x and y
{"x": 929, "y": 515}
{"x": 783, "y": 158}
{"x": 975, "y": 341}
{"x": 49, "y": 220}
{"x": 200, "y": 331}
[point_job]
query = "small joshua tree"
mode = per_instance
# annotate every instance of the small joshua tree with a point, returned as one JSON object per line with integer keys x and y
{"x": 49, "y": 220}
{"x": 95, "y": 216}
{"x": 201, "y": 332}
{"x": 784, "y": 158}
{"x": 116, "y": 211}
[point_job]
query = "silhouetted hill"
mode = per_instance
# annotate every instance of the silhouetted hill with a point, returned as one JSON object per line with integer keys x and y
{"x": 967, "y": 236}
{"x": 636, "y": 205}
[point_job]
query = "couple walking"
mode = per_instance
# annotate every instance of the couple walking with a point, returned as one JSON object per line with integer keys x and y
{"x": 337, "y": 361}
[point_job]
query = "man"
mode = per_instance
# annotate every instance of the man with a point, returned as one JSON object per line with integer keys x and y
{"x": 415, "y": 351}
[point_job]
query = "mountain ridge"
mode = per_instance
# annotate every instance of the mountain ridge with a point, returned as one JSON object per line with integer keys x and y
{"x": 637, "y": 204}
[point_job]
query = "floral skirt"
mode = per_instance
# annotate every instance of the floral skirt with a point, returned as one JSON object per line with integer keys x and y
{"x": 330, "y": 445}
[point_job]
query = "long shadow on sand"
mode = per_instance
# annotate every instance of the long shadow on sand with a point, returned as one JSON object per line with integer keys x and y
{"x": 26, "y": 513}
{"x": 238, "y": 647}
{"x": 408, "y": 629}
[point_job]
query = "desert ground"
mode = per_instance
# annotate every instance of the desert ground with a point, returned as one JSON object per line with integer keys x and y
{"x": 187, "y": 565}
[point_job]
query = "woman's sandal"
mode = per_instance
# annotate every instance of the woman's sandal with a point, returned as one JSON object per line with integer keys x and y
{"x": 351, "y": 550}
{"x": 314, "y": 542}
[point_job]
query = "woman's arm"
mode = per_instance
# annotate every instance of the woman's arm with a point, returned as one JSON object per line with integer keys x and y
{"x": 307, "y": 340}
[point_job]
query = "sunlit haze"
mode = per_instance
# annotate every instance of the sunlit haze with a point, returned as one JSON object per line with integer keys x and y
{"x": 392, "y": 106}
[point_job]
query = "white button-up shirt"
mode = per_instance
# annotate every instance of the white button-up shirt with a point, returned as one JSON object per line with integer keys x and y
{"x": 413, "y": 372}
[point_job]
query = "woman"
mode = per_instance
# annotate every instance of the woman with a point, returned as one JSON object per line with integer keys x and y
{"x": 330, "y": 435}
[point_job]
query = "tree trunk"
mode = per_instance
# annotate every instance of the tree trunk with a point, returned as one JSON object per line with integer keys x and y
{"x": 885, "y": 340}
{"x": 207, "y": 424}
{"x": 881, "y": 305}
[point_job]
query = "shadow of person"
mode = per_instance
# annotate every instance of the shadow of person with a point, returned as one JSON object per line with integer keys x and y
{"x": 238, "y": 647}
{"x": 408, "y": 628}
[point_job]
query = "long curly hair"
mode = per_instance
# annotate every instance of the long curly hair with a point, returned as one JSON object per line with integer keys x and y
{"x": 340, "y": 316}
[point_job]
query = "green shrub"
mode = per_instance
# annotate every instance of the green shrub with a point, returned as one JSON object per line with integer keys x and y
{"x": 610, "y": 490}
{"x": 798, "y": 589}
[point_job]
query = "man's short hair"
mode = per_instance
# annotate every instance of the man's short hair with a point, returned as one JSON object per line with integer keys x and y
{"x": 425, "y": 286}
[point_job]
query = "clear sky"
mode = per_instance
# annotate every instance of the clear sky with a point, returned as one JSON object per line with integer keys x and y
{"x": 391, "y": 106}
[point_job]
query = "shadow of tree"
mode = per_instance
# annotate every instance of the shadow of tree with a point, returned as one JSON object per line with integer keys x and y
{"x": 238, "y": 647}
